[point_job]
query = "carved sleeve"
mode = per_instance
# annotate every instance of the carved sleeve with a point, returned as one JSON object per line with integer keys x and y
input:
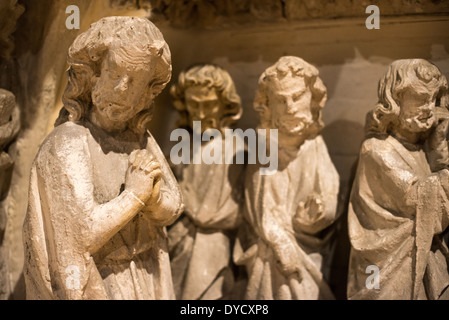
{"x": 319, "y": 210}
{"x": 67, "y": 193}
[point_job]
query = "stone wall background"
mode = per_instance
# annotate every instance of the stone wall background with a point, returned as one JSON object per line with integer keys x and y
{"x": 244, "y": 37}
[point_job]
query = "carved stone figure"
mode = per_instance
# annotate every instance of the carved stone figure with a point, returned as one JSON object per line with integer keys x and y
{"x": 399, "y": 202}
{"x": 101, "y": 192}
{"x": 290, "y": 213}
{"x": 9, "y": 127}
{"x": 201, "y": 242}
{"x": 10, "y": 11}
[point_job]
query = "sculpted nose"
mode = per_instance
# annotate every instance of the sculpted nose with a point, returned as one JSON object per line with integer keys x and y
{"x": 122, "y": 85}
{"x": 200, "y": 112}
{"x": 429, "y": 108}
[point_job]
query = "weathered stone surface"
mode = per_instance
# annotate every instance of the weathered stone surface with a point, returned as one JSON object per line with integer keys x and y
{"x": 289, "y": 214}
{"x": 398, "y": 212}
{"x": 37, "y": 76}
{"x": 101, "y": 192}
{"x": 10, "y": 11}
{"x": 205, "y": 13}
{"x": 350, "y": 59}
{"x": 9, "y": 128}
{"x": 200, "y": 243}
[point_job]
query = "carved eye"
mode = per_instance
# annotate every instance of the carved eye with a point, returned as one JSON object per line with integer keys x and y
{"x": 297, "y": 96}
{"x": 191, "y": 104}
{"x": 209, "y": 104}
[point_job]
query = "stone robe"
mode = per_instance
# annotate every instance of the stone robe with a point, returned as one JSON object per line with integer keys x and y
{"x": 73, "y": 175}
{"x": 397, "y": 213}
{"x": 201, "y": 242}
{"x": 271, "y": 204}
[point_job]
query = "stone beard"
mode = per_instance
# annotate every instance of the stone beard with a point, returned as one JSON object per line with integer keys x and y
{"x": 398, "y": 211}
{"x": 285, "y": 240}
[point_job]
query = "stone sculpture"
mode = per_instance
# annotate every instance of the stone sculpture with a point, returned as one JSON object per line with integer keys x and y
{"x": 289, "y": 214}
{"x": 101, "y": 192}
{"x": 201, "y": 242}
{"x": 9, "y": 128}
{"x": 399, "y": 202}
{"x": 10, "y": 11}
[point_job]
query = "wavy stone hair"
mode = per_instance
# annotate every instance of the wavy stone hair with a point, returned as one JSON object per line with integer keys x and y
{"x": 86, "y": 54}
{"x": 212, "y": 76}
{"x": 299, "y": 68}
{"x": 417, "y": 74}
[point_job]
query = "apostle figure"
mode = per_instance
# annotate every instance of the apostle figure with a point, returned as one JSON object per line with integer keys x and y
{"x": 101, "y": 192}
{"x": 399, "y": 202}
{"x": 290, "y": 213}
{"x": 201, "y": 241}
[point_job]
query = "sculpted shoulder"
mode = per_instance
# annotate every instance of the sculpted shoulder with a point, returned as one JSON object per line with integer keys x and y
{"x": 67, "y": 137}
{"x": 380, "y": 150}
{"x": 376, "y": 145}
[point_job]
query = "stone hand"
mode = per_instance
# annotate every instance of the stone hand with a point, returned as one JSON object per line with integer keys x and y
{"x": 309, "y": 215}
{"x": 309, "y": 211}
{"x": 287, "y": 261}
{"x": 282, "y": 242}
{"x": 143, "y": 173}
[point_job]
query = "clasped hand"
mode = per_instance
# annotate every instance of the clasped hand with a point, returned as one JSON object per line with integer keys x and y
{"x": 143, "y": 176}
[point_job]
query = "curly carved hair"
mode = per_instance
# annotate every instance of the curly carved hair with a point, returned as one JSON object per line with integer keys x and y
{"x": 417, "y": 74}
{"x": 211, "y": 76}
{"x": 299, "y": 68}
{"x": 137, "y": 36}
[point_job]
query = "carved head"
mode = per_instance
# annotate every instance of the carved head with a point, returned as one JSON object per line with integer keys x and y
{"x": 408, "y": 94}
{"x": 117, "y": 68}
{"x": 290, "y": 97}
{"x": 206, "y": 93}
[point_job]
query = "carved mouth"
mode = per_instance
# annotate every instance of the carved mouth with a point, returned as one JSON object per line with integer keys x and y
{"x": 114, "y": 110}
{"x": 116, "y": 106}
{"x": 425, "y": 118}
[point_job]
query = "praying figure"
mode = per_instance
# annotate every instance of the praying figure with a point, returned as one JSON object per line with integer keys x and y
{"x": 201, "y": 241}
{"x": 399, "y": 207}
{"x": 101, "y": 192}
{"x": 289, "y": 214}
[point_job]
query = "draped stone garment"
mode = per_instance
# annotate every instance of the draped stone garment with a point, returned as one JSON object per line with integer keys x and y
{"x": 201, "y": 242}
{"x": 397, "y": 213}
{"x": 8, "y": 132}
{"x": 71, "y": 177}
{"x": 272, "y": 202}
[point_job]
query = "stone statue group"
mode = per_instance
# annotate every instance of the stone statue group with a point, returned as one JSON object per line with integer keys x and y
{"x": 110, "y": 217}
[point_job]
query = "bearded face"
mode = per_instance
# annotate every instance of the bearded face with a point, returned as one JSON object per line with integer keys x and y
{"x": 417, "y": 113}
{"x": 290, "y": 101}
